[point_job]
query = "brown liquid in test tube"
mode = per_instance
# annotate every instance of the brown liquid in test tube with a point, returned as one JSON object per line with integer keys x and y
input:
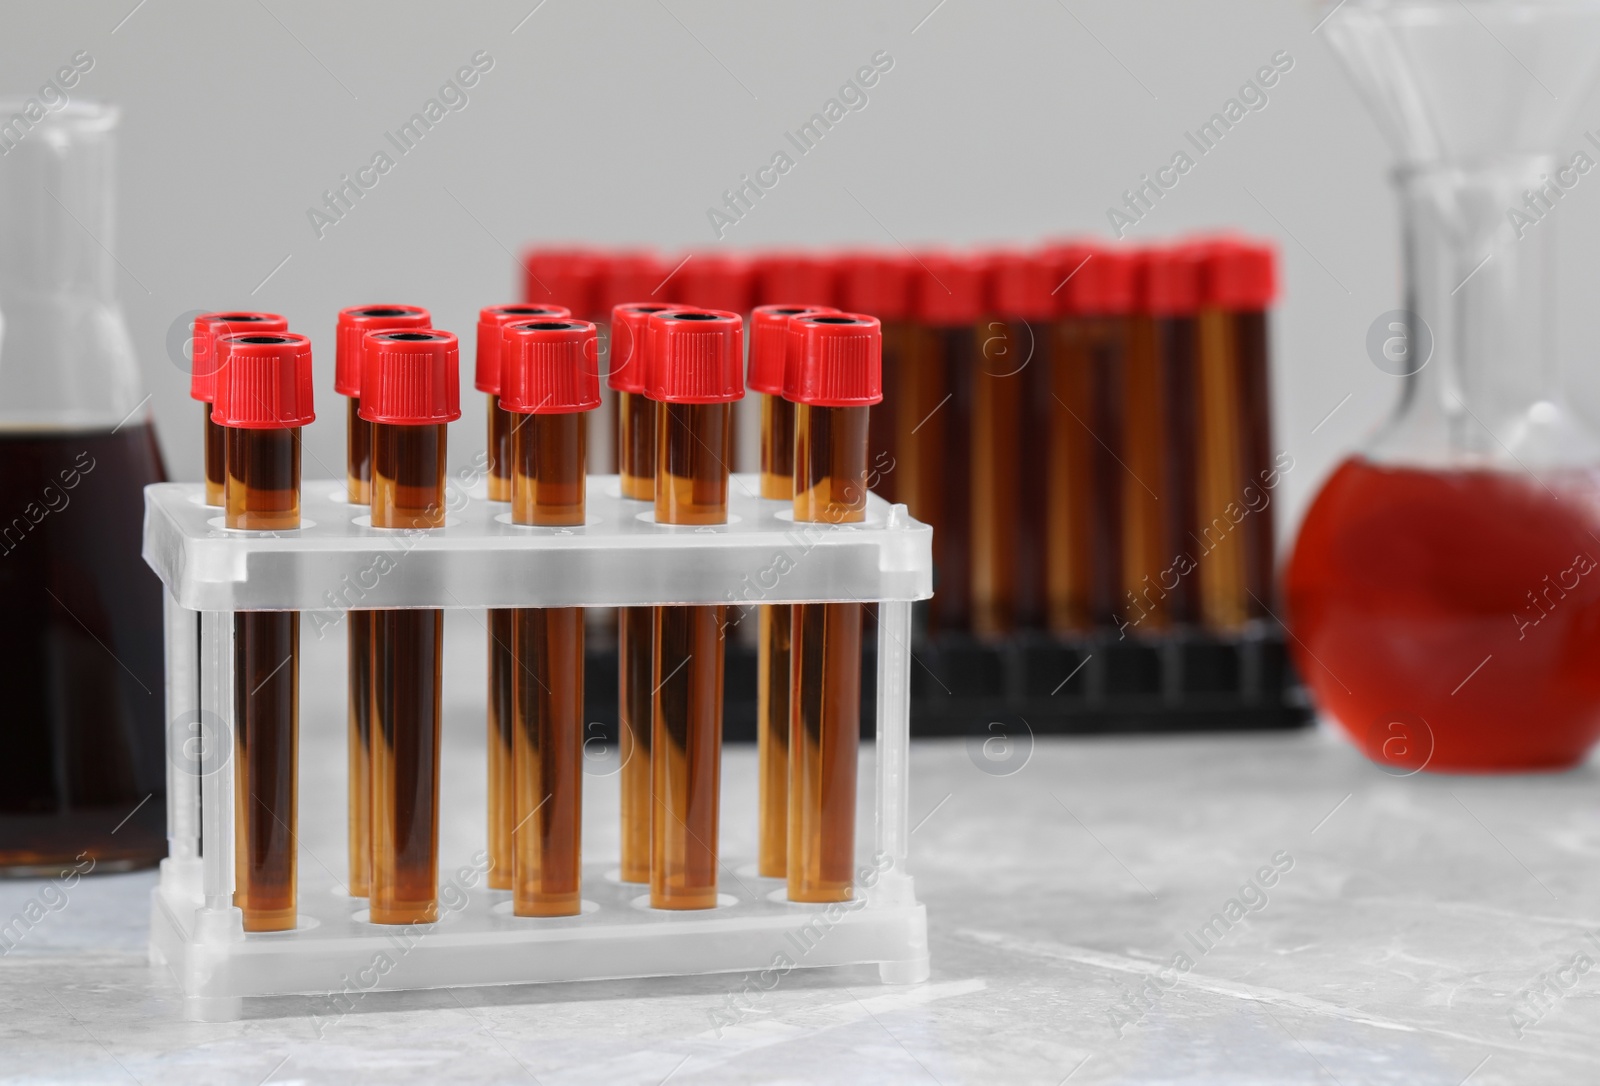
{"x": 833, "y": 384}
{"x": 630, "y": 363}
{"x": 551, "y": 379}
{"x": 263, "y": 398}
{"x": 769, "y": 348}
{"x": 695, "y": 380}
{"x": 354, "y": 323}
{"x": 492, "y": 321}
{"x": 1235, "y": 434}
{"x": 409, "y": 392}
{"x": 1086, "y": 482}
{"x": 936, "y": 423}
{"x": 204, "y": 333}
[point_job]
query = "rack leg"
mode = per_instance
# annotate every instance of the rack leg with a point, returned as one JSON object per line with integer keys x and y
{"x": 894, "y": 885}
{"x": 181, "y": 870}
{"x": 219, "y": 920}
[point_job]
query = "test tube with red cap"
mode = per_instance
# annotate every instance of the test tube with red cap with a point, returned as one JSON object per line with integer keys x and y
{"x": 349, "y": 343}
{"x": 410, "y": 391}
{"x": 205, "y": 331}
{"x": 694, "y": 382}
{"x": 263, "y": 398}
{"x": 1085, "y": 494}
{"x": 787, "y": 276}
{"x": 1008, "y": 430}
{"x": 768, "y": 366}
{"x": 880, "y": 284}
{"x": 562, "y": 276}
{"x": 1159, "y": 590}
{"x": 1235, "y": 436}
{"x": 631, "y": 360}
{"x": 727, "y": 282}
{"x": 492, "y": 321}
{"x": 552, "y": 379}
{"x": 936, "y": 421}
{"x": 835, "y": 381}
{"x": 625, "y": 277}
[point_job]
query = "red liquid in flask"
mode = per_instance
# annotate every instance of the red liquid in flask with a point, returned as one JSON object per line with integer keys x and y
{"x": 1467, "y": 598}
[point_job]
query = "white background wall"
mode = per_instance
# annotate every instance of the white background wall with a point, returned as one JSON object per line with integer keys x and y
{"x": 623, "y": 122}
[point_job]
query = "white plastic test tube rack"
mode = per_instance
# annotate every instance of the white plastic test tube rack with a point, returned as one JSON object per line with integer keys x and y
{"x": 621, "y": 557}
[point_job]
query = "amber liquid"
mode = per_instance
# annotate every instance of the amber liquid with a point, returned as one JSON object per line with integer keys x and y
{"x": 1037, "y": 342}
{"x": 263, "y": 494}
{"x": 772, "y": 657}
{"x": 883, "y": 439}
{"x": 216, "y": 454}
{"x": 1223, "y": 569}
{"x": 825, "y": 668}
{"x": 636, "y": 460}
{"x": 1147, "y": 549}
{"x": 635, "y": 641}
{"x": 266, "y": 677}
{"x": 502, "y": 746}
{"x": 547, "y": 488}
{"x": 636, "y": 446}
{"x": 777, "y": 448}
{"x": 1251, "y": 349}
{"x": 996, "y": 458}
{"x": 80, "y": 654}
{"x": 692, "y": 450}
{"x": 408, "y": 475}
{"x": 501, "y": 422}
{"x": 358, "y": 482}
{"x": 935, "y": 429}
{"x": 1086, "y": 482}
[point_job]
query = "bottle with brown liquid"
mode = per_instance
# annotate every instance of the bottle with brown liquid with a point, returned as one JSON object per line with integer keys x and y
{"x": 83, "y": 776}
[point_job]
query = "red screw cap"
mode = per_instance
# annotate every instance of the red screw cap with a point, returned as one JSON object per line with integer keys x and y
{"x": 206, "y": 329}
{"x": 1168, "y": 281}
{"x": 1025, "y": 285}
{"x": 769, "y": 344}
{"x": 876, "y": 283}
{"x": 1103, "y": 282}
{"x": 491, "y": 320}
{"x": 632, "y": 277}
{"x": 794, "y": 276}
{"x": 698, "y": 355}
{"x": 567, "y": 277}
{"x": 838, "y": 360}
{"x": 354, "y": 324}
{"x": 1240, "y": 275}
{"x": 713, "y": 281}
{"x": 410, "y": 377}
{"x": 265, "y": 383}
{"x": 552, "y": 367}
{"x": 631, "y": 349}
{"x": 950, "y": 288}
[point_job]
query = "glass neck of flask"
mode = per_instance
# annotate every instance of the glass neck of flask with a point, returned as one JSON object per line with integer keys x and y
{"x": 1479, "y": 259}
{"x": 66, "y": 359}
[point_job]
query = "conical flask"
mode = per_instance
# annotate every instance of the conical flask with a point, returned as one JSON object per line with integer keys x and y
{"x": 1444, "y": 591}
{"x": 82, "y": 778}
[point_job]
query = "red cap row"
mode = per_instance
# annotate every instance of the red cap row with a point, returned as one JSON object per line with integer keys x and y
{"x": 935, "y": 287}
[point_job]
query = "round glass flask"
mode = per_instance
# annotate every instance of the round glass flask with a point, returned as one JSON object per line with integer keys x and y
{"x": 1444, "y": 590}
{"x": 83, "y": 771}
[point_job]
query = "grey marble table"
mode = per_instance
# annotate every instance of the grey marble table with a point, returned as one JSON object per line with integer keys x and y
{"x": 1100, "y": 913}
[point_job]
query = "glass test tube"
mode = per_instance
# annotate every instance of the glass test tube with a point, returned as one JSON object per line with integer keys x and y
{"x": 492, "y": 323}
{"x": 769, "y": 356}
{"x": 835, "y": 387}
{"x": 262, "y": 493}
{"x": 206, "y": 332}
{"x": 700, "y": 351}
{"x": 551, "y": 371}
{"x": 353, "y": 324}
{"x": 636, "y": 467}
{"x": 1224, "y": 553}
{"x": 996, "y": 457}
{"x": 1146, "y": 429}
{"x": 409, "y": 394}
